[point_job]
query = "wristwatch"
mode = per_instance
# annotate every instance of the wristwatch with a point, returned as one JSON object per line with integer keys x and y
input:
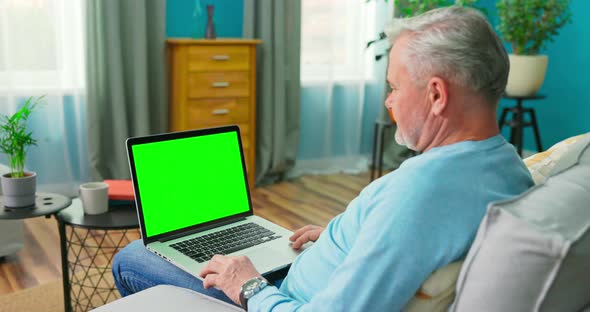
{"x": 250, "y": 288}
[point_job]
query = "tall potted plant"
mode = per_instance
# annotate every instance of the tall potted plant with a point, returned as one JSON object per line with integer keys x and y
{"x": 409, "y": 8}
{"x": 18, "y": 186}
{"x": 528, "y": 25}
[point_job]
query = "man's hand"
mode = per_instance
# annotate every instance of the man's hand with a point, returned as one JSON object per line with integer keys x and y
{"x": 228, "y": 274}
{"x": 305, "y": 234}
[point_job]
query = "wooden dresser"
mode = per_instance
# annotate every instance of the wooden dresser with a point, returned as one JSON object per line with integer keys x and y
{"x": 213, "y": 83}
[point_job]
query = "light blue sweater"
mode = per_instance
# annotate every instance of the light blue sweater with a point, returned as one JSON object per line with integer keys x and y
{"x": 401, "y": 228}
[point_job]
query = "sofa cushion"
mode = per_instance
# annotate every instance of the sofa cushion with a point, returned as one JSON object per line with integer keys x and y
{"x": 532, "y": 253}
{"x": 437, "y": 292}
{"x": 565, "y": 153}
{"x": 441, "y": 280}
{"x": 168, "y": 298}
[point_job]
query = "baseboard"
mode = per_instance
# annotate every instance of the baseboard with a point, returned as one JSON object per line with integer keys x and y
{"x": 344, "y": 164}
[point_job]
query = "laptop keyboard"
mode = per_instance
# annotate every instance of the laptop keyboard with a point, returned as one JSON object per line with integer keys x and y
{"x": 224, "y": 242}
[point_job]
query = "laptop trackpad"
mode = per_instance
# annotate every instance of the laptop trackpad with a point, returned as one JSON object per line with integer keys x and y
{"x": 267, "y": 260}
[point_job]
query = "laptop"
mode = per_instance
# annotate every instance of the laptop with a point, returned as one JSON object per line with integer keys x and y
{"x": 193, "y": 201}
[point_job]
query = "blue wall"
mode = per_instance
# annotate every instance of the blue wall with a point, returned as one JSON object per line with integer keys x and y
{"x": 184, "y": 20}
{"x": 566, "y": 110}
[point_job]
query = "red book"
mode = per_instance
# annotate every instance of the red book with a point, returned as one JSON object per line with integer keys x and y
{"x": 120, "y": 190}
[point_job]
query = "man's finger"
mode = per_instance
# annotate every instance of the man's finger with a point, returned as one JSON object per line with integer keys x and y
{"x": 301, "y": 240}
{"x": 314, "y": 235}
{"x": 299, "y": 232}
{"x": 214, "y": 266}
{"x": 210, "y": 281}
{"x": 218, "y": 259}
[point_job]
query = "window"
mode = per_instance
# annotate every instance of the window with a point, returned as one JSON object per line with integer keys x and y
{"x": 41, "y": 46}
{"x": 334, "y": 34}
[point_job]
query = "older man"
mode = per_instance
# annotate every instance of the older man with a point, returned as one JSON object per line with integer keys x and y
{"x": 447, "y": 71}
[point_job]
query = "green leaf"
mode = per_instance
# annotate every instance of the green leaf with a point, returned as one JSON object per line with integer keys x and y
{"x": 530, "y": 24}
{"x": 14, "y": 138}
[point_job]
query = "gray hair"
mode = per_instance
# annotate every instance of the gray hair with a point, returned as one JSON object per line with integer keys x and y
{"x": 457, "y": 44}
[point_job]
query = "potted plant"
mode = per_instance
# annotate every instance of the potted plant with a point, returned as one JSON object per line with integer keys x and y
{"x": 409, "y": 8}
{"x": 528, "y": 25}
{"x": 18, "y": 186}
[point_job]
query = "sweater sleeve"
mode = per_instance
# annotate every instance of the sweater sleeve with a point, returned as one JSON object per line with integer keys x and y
{"x": 395, "y": 251}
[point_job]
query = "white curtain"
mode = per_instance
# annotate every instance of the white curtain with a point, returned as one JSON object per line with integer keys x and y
{"x": 342, "y": 85}
{"x": 42, "y": 54}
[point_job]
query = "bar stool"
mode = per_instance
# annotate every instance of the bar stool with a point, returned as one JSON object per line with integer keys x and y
{"x": 517, "y": 123}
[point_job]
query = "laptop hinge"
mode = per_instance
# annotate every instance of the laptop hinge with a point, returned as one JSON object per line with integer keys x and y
{"x": 200, "y": 229}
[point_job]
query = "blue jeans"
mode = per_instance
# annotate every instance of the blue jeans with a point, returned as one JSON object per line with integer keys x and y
{"x": 135, "y": 269}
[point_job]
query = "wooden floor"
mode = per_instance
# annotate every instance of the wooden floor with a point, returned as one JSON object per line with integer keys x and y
{"x": 292, "y": 204}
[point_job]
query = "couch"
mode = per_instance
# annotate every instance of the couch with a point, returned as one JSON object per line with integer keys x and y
{"x": 11, "y": 231}
{"x": 531, "y": 253}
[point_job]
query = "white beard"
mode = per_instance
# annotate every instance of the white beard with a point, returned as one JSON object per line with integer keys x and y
{"x": 399, "y": 138}
{"x": 403, "y": 141}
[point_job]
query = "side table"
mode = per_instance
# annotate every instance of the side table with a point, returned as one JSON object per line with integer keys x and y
{"x": 46, "y": 204}
{"x": 88, "y": 245}
{"x": 517, "y": 123}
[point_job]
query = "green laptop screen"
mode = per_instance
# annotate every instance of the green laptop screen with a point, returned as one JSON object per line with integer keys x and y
{"x": 189, "y": 181}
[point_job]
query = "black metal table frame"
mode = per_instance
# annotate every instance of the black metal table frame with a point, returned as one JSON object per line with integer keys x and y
{"x": 66, "y": 244}
{"x": 378, "y": 135}
{"x": 517, "y": 122}
{"x": 67, "y": 284}
{"x": 46, "y": 205}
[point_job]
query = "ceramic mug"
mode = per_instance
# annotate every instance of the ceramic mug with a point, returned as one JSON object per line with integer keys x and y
{"x": 95, "y": 197}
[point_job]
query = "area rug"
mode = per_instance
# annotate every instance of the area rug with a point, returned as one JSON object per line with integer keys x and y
{"x": 43, "y": 298}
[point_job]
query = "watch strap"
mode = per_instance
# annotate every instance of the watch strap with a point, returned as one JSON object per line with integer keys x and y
{"x": 246, "y": 293}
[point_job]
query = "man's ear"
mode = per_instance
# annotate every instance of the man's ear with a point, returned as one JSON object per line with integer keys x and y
{"x": 438, "y": 95}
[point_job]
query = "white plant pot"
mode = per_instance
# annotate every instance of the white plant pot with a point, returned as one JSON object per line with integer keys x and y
{"x": 526, "y": 75}
{"x": 19, "y": 192}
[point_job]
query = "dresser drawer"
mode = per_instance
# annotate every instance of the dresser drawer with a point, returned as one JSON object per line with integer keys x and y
{"x": 216, "y": 112}
{"x": 218, "y": 84}
{"x": 218, "y": 58}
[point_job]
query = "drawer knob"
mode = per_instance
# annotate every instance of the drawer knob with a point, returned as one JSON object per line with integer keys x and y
{"x": 223, "y": 84}
{"x": 220, "y": 57}
{"x": 223, "y": 111}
